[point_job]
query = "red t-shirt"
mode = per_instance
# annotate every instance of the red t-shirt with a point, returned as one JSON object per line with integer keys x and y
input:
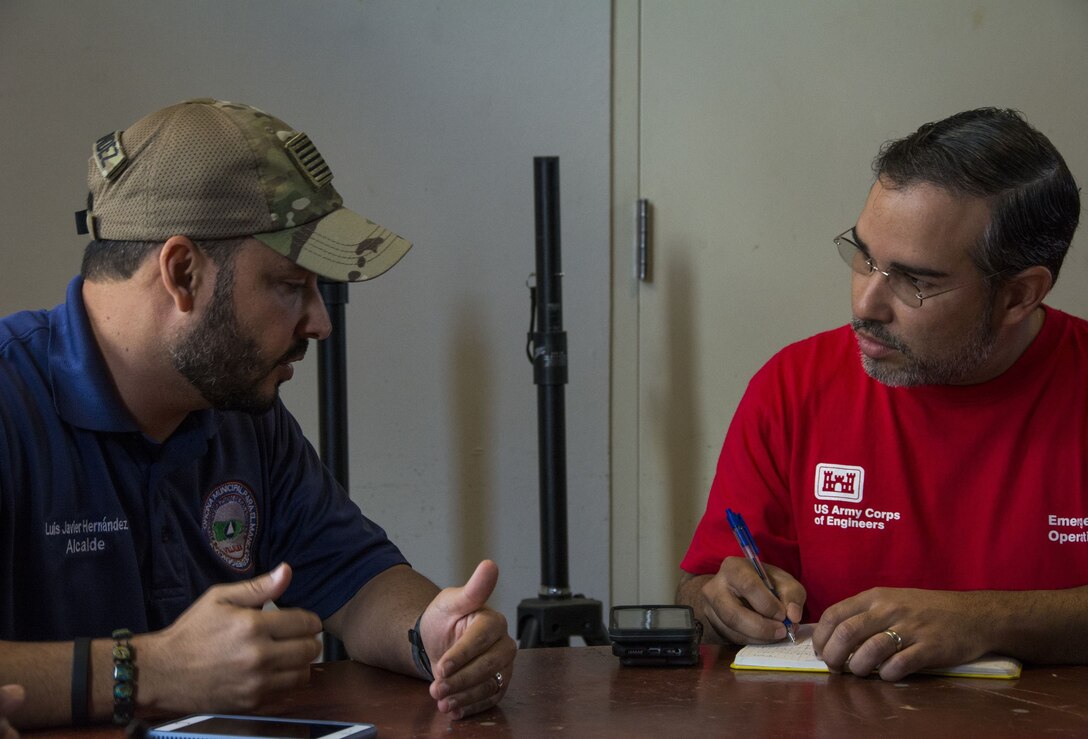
{"x": 849, "y": 484}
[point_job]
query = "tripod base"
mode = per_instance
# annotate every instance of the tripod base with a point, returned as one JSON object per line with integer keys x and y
{"x": 550, "y": 622}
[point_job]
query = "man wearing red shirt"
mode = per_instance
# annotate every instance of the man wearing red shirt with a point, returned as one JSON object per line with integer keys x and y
{"x": 928, "y": 503}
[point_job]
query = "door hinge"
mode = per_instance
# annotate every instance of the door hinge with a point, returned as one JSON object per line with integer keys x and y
{"x": 642, "y": 240}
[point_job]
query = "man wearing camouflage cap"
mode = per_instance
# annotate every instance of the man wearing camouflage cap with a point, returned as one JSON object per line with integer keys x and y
{"x": 154, "y": 491}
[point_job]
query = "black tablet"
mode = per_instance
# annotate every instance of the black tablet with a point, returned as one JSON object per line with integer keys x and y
{"x": 218, "y": 726}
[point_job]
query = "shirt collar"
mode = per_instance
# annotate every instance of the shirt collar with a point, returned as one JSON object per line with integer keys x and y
{"x": 83, "y": 390}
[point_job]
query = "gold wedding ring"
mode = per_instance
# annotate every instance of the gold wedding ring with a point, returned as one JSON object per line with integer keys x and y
{"x": 896, "y": 639}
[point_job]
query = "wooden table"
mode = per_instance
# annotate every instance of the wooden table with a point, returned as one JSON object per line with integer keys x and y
{"x": 584, "y": 692}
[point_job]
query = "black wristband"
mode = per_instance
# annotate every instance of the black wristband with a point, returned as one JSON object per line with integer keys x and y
{"x": 81, "y": 665}
{"x": 124, "y": 677}
{"x": 419, "y": 654}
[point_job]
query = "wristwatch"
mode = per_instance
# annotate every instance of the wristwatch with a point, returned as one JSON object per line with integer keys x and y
{"x": 419, "y": 654}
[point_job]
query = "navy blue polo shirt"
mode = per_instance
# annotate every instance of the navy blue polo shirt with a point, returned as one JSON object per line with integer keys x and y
{"x": 102, "y": 528}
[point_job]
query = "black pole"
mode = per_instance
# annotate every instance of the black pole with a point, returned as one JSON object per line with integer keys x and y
{"x": 555, "y": 615}
{"x": 550, "y": 376}
{"x": 332, "y": 407}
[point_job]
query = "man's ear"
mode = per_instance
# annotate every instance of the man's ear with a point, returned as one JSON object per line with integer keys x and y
{"x": 1022, "y": 294}
{"x": 182, "y": 268}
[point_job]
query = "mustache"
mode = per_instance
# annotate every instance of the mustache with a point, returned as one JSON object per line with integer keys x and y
{"x": 296, "y": 353}
{"x": 880, "y": 333}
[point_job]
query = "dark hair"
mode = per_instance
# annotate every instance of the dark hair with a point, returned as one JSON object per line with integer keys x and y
{"x": 119, "y": 260}
{"x": 994, "y": 154}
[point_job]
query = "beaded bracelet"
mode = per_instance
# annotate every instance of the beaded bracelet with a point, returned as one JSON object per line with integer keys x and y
{"x": 124, "y": 677}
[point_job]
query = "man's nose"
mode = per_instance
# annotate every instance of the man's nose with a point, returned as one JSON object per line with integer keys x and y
{"x": 871, "y": 297}
{"x": 316, "y": 323}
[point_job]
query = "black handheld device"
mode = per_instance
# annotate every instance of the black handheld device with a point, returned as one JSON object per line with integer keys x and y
{"x": 655, "y": 635}
{"x": 218, "y": 726}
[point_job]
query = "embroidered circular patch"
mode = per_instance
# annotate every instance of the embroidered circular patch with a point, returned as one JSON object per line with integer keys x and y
{"x": 229, "y": 523}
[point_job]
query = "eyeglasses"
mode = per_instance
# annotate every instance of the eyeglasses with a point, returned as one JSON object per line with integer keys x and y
{"x": 913, "y": 291}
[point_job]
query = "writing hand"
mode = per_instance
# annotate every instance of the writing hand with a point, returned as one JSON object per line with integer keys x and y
{"x": 474, "y": 645}
{"x": 740, "y": 608}
{"x": 11, "y": 697}
{"x": 226, "y": 654}
{"x": 935, "y": 629}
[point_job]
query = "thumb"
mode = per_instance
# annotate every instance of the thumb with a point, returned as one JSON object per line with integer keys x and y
{"x": 11, "y": 697}
{"x": 258, "y": 591}
{"x": 473, "y": 596}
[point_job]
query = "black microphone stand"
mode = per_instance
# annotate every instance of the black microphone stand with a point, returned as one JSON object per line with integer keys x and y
{"x": 552, "y": 618}
{"x": 332, "y": 407}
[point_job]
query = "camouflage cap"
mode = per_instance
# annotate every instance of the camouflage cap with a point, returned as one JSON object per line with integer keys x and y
{"x": 210, "y": 169}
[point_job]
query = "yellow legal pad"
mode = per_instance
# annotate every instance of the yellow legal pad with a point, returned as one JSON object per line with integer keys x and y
{"x": 799, "y": 657}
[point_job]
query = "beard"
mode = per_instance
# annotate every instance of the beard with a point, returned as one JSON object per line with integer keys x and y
{"x": 223, "y": 362}
{"x": 949, "y": 369}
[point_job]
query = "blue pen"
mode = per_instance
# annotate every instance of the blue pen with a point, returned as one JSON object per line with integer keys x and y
{"x": 751, "y": 551}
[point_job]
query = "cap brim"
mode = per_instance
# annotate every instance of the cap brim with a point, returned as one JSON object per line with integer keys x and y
{"x": 341, "y": 246}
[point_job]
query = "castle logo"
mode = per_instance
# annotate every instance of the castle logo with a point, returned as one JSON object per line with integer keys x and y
{"x": 840, "y": 482}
